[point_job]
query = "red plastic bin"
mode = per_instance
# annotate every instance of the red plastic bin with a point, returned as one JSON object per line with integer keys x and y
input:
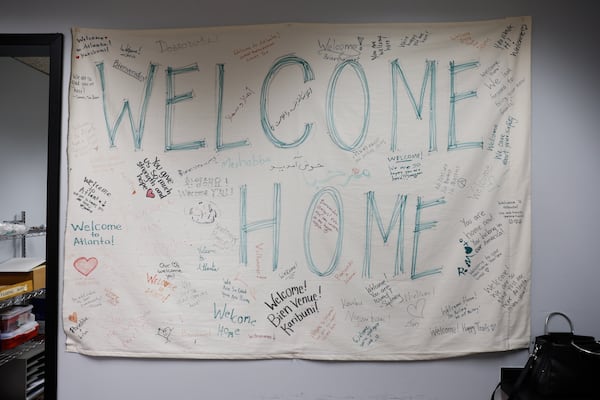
{"x": 19, "y": 336}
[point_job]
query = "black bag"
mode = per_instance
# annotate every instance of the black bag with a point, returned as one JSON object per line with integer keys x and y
{"x": 562, "y": 365}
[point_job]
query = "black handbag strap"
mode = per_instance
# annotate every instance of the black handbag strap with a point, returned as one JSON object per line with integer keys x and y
{"x": 495, "y": 390}
{"x": 525, "y": 372}
{"x": 513, "y": 395}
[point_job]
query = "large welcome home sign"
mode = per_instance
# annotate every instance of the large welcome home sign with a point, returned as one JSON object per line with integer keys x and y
{"x": 319, "y": 191}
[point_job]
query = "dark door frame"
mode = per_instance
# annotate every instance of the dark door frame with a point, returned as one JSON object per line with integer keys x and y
{"x": 47, "y": 45}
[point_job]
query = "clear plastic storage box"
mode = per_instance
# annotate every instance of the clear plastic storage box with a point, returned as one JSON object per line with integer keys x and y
{"x": 14, "y": 317}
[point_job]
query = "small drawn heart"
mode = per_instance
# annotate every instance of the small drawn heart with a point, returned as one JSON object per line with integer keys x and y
{"x": 165, "y": 332}
{"x": 73, "y": 317}
{"x": 85, "y": 266}
{"x": 416, "y": 309}
{"x": 150, "y": 193}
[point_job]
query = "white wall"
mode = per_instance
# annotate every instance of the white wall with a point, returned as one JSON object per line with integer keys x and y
{"x": 565, "y": 164}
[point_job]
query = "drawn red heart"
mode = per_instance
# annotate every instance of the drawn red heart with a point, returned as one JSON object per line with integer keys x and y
{"x": 73, "y": 317}
{"x": 85, "y": 266}
{"x": 150, "y": 193}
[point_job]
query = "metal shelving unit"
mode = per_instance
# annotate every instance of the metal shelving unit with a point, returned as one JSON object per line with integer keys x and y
{"x": 22, "y": 298}
{"x": 31, "y": 232}
{"x": 23, "y": 367}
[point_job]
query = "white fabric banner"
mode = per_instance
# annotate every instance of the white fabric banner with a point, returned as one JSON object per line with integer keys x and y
{"x": 318, "y": 191}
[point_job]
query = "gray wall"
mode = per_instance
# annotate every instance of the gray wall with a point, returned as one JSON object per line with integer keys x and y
{"x": 565, "y": 163}
{"x": 23, "y": 151}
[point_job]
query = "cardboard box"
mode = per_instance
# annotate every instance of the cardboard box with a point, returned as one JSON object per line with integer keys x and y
{"x": 15, "y": 289}
{"x": 22, "y": 269}
{"x": 37, "y": 275}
